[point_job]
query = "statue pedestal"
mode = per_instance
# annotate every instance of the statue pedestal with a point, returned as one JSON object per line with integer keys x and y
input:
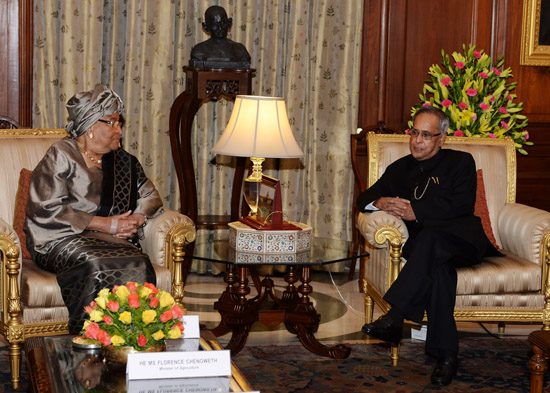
{"x": 203, "y": 85}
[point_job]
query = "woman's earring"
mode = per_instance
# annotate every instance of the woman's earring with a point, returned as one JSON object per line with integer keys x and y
{"x": 91, "y": 135}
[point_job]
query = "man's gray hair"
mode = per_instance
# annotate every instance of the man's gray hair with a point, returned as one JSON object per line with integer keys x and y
{"x": 442, "y": 116}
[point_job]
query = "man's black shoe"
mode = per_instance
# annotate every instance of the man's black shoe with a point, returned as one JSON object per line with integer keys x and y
{"x": 444, "y": 370}
{"x": 384, "y": 329}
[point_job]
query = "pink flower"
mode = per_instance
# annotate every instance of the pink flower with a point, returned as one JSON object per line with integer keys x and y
{"x": 446, "y": 103}
{"x": 407, "y": 132}
{"x": 166, "y": 316}
{"x": 459, "y": 65}
{"x": 526, "y": 136}
{"x": 504, "y": 124}
{"x": 474, "y": 117}
{"x": 503, "y": 110}
{"x": 426, "y": 104}
{"x": 477, "y": 54}
{"x": 115, "y": 288}
{"x": 177, "y": 312}
{"x": 483, "y": 75}
{"x": 104, "y": 337}
{"x": 88, "y": 309}
{"x": 492, "y": 99}
{"x": 133, "y": 300}
{"x": 496, "y": 71}
{"x": 108, "y": 320}
{"x": 154, "y": 302}
{"x": 463, "y": 105}
{"x": 509, "y": 97}
{"x": 179, "y": 325}
{"x": 131, "y": 287}
{"x": 142, "y": 340}
{"x": 93, "y": 304}
{"x": 92, "y": 330}
{"x": 445, "y": 81}
{"x": 484, "y": 106}
{"x": 458, "y": 133}
{"x": 113, "y": 306}
{"x": 151, "y": 287}
{"x": 491, "y": 135}
{"x": 472, "y": 92}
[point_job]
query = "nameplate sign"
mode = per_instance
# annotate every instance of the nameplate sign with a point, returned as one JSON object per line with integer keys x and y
{"x": 180, "y": 385}
{"x": 161, "y": 365}
{"x": 191, "y": 327}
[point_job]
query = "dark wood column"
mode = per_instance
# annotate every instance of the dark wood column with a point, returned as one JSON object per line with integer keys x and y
{"x": 16, "y": 54}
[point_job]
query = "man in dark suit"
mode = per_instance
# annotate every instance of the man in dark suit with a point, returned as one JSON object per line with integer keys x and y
{"x": 433, "y": 190}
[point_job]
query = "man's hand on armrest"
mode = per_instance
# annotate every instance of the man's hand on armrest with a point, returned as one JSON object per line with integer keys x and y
{"x": 398, "y": 207}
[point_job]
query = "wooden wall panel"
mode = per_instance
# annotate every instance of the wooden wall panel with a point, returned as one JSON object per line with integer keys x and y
{"x": 16, "y": 60}
{"x": 402, "y": 38}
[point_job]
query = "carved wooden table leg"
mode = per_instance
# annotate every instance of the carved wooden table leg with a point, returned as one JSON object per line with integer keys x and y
{"x": 538, "y": 366}
{"x": 304, "y": 320}
{"x": 237, "y": 312}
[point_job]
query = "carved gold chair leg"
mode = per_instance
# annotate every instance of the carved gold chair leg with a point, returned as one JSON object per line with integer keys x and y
{"x": 369, "y": 304}
{"x": 13, "y": 328}
{"x": 395, "y": 354}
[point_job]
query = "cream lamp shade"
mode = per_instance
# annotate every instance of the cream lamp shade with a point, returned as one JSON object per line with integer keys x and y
{"x": 258, "y": 127}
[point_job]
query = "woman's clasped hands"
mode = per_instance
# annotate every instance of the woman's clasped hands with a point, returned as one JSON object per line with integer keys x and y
{"x": 126, "y": 225}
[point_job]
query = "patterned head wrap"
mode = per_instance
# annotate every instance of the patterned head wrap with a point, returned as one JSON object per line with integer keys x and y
{"x": 87, "y": 107}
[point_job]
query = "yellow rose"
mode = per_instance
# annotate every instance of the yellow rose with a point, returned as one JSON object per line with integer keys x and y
{"x": 96, "y": 315}
{"x": 158, "y": 335}
{"x": 144, "y": 292}
{"x": 101, "y": 302}
{"x": 104, "y": 292}
{"x": 86, "y": 323}
{"x": 166, "y": 300}
{"x": 125, "y": 317}
{"x": 174, "y": 333}
{"x": 117, "y": 341}
{"x": 122, "y": 293}
{"x": 148, "y": 316}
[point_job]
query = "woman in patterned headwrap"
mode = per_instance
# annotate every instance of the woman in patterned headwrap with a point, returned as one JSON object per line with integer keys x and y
{"x": 88, "y": 199}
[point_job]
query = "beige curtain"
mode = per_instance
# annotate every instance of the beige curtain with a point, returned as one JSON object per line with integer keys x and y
{"x": 305, "y": 51}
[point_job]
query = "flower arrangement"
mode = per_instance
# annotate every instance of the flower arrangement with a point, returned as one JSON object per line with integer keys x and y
{"x": 137, "y": 315}
{"x": 476, "y": 97}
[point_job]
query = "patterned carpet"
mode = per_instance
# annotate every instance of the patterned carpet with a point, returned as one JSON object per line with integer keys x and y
{"x": 486, "y": 365}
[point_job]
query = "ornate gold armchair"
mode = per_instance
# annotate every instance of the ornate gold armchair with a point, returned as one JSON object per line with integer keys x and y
{"x": 31, "y": 302}
{"x": 513, "y": 288}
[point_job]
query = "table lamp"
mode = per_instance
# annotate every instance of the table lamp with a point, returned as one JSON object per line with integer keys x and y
{"x": 259, "y": 128}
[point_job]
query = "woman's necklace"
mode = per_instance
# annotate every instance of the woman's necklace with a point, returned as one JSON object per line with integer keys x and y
{"x": 93, "y": 159}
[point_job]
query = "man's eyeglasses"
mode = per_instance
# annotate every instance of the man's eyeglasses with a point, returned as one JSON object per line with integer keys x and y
{"x": 426, "y": 135}
{"x": 114, "y": 124}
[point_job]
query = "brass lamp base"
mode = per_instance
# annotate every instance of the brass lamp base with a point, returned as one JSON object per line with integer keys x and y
{"x": 262, "y": 225}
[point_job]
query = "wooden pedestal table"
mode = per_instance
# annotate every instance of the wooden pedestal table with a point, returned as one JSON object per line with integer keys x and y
{"x": 293, "y": 308}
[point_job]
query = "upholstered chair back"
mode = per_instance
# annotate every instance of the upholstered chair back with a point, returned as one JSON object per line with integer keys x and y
{"x": 496, "y": 158}
{"x": 17, "y": 153}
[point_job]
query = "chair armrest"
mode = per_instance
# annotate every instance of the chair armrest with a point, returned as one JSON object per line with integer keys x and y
{"x": 379, "y": 226}
{"x": 522, "y": 230}
{"x": 156, "y": 234}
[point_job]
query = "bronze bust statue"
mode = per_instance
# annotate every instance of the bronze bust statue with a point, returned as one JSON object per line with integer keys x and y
{"x": 219, "y": 51}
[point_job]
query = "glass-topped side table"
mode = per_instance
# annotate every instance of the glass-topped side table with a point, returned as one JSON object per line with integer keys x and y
{"x": 55, "y": 365}
{"x": 293, "y": 308}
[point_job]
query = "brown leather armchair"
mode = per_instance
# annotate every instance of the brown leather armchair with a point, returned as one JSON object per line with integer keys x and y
{"x": 31, "y": 302}
{"x": 513, "y": 288}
